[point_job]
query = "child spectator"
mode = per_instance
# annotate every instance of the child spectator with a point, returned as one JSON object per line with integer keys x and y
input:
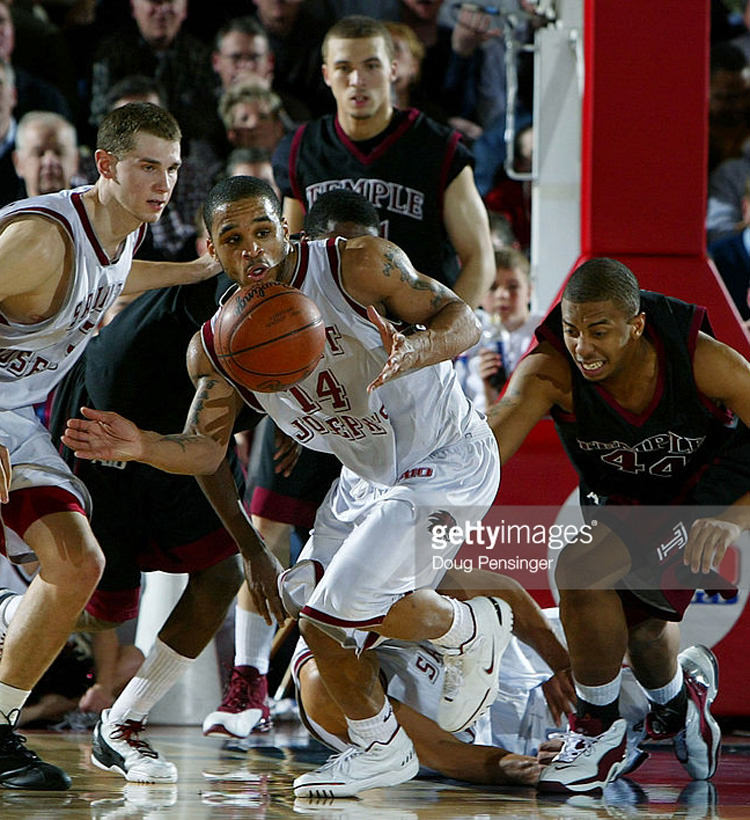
{"x": 508, "y": 328}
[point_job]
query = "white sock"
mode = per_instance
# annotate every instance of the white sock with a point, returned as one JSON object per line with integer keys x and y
{"x": 462, "y": 629}
{"x": 8, "y": 607}
{"x": 600, "y": 695}
{"x": 252, "y": 640}
{"x": 380, "y": 727}
{"x": 665, "y": 693}
{"x": 158, "y": 673}
{"x": 11, "y": 702}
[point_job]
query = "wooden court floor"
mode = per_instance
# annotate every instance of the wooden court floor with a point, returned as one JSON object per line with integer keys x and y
{"x": 254, "y": 781}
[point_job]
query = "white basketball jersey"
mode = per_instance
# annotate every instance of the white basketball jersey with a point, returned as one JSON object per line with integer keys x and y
{"x": 377, "y": 435}
{"x": 35, "y": 357}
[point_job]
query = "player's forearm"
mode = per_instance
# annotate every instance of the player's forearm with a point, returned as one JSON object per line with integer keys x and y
{"x": 475, "y": 278}
{"x": 453, "y": 329}
{"x": 221, "y": 492}
{"x": 146, "y": 275}
{"x": 180, "y": 453}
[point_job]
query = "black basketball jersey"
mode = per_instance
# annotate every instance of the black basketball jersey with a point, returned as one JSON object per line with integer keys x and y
{"x": 136, "y": 365}
{"x": 404, "y": 172}
{"x": 657, "y": 456}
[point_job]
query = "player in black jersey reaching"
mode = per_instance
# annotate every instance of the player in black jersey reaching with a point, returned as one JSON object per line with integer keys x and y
{"x": 416, "y": 172}
{"x": 652, "y": 410}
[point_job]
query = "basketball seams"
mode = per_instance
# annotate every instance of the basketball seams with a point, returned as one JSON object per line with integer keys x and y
{"x": 278, "y": 361}
{"x": 266, "y": 342}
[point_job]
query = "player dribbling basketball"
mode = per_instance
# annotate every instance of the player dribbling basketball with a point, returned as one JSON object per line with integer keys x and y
{"x": 407, "y": 446}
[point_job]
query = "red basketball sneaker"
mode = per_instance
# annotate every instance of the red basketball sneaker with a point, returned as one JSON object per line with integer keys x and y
{"x": 244, "y": 708}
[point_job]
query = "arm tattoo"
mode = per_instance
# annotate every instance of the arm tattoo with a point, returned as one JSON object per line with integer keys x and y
{"x": 202, "y": 405}
{"x": 396, "y": 259}
{"x": 178, "y": 438}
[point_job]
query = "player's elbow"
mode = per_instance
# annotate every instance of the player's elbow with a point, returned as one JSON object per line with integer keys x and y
{"x": 209, "y": 464}
{"x": 206, "y": 457}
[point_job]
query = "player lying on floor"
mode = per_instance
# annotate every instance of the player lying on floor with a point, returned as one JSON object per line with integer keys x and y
{"x": 512, "y": 744}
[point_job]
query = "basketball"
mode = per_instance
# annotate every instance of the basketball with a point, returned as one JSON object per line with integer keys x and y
{"x": 269, "y": 336}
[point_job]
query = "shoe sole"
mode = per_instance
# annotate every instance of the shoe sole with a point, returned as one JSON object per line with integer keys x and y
{"x": 219, "y": 730}
{"x": 129, "y": 776}
{"x": 323, "y": 790}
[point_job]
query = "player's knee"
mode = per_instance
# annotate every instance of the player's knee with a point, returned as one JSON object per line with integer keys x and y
{"x": 221, "y": 581}
{"x": 646, "y": 633}
{"x": 76, "y": 575}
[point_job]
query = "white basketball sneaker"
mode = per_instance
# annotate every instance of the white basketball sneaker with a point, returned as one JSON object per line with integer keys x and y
{"x": 117, "y": 747}
{"x": 589, "y": 759}
{"x": 358, "y": 769}
{"x": 471, "y": 673}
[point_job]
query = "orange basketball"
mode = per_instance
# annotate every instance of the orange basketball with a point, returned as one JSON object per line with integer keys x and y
{"x": 268, "y": 337}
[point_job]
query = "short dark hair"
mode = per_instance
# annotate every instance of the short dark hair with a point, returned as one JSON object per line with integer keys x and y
{"x": 119, "y": 127}
{"x": 136, "y": 85}
{"x": 244, "y": 25}
{"x": 340, "y": 205}
{"x": 248, "y": 155}
{"x": 233, "y": 189}
{"x": 358, "y": 27}
{"x": 601, "y": 280}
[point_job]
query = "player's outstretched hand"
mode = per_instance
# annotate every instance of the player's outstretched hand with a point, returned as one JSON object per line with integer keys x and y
{"x": 103, "y": 435}
{"x": 262, "y": 570}
{"x": 5, "y": 474}
{"x": 402, "y": 355}
{"x": 708, "y": 542}
{"x": 560, "y": 694}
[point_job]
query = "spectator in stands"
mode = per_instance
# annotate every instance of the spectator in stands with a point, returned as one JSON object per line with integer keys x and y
{"x": 501, "y": 233}
{"x": 242, "y": 51}
{"x": 508, "y": 323}
{"x": 464, "y": 65}
{"x": 728, "y": 104}
{"x": 253, "y": 116}
{"x": 731, "y": 255}
{"x": 742, "y": 41}
{"x": 9, "y": 184}
{"x": 252, "y": 162}
{"x": 242, "y": 48}
{"x": 409, "y": 53}
{"x": 32, "y": 92}
{"x": 511, "y": 197}
{"x": 295, "y": 32}
{"x": 46, "y": 154}
{"x": 415, "y": 171}
{"x": 156, "y": 47}
{"x": 726, "y": 188}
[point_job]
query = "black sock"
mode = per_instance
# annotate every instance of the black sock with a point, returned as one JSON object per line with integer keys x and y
{"x": 669, "y": 717}
{"x": 606, "y": 714}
